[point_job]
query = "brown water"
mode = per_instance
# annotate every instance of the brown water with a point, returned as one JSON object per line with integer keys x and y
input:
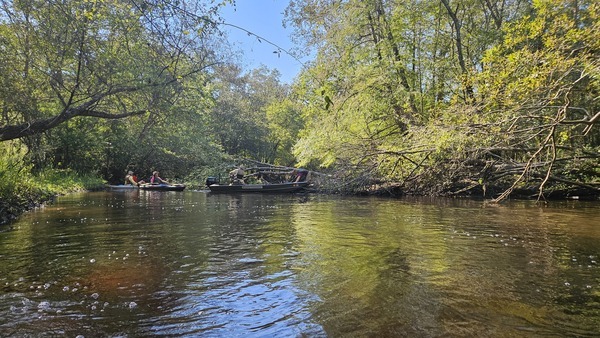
{"x": 194, "y": 264}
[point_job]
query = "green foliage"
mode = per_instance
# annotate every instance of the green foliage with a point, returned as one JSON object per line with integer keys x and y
{"x": 248, "y": 119}
{"x": 12, "y": 169}
{"x": 284, "y": 123}
{"x": 18, "y": 180}
{"x": 412, "y": 92}
{"x": 67, "y": 63}
{"x": 21, "y": 189}
{"x": 79, "y": 145}
{"x": 391, "y": 94}
{"x": 175, "y": 140}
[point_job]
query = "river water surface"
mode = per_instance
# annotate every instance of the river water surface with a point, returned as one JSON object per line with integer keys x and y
{"x": 195, "y": 264}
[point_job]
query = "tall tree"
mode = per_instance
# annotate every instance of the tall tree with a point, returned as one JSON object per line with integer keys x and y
{"x": 285, "y": 122}
{"x": 239, "y": 118}
{"x": 383, "y": 66}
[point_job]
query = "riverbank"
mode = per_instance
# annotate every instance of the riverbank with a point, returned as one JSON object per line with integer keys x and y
{"x": 476, "y": 190}
{"x": 21, "y": 193}
{"x": 464, "y": 188}
{"x": 463, "y": 184}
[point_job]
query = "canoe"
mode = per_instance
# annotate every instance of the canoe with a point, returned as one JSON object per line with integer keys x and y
{"x": 264, "y": 188}
{"x": 163, "y": 187}
{"x": 154, "y": 187}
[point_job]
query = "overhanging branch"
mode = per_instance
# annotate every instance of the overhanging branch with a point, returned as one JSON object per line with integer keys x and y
{"x": 110, "y": 116}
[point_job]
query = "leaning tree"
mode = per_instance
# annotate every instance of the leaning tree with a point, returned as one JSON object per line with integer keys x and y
{"x": 106, "y": 59}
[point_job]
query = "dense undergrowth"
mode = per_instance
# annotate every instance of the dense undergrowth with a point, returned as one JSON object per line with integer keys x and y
{"x": 21, "y": 189}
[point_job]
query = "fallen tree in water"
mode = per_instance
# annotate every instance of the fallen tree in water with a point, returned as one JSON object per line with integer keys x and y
{"x": 496, "y": 173}
{"x": 534, "y": 156}
{"x": 516, "y": 115}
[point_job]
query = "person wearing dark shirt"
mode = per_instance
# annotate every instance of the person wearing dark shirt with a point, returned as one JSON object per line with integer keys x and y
{"x": 299, "y": 175}
{"x": 155, "y": 179}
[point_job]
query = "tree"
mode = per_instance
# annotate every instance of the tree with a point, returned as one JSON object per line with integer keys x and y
{"x": 106, "y": 59}
{"x": 451, "y": 96}
{"x": 540, "y": 84}
{"x": 239, "y": 118}
{"x": 284, "y": 122}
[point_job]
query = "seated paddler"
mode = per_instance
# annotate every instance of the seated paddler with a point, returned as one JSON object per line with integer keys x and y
{"x": 237, "y": 175}
{"x": 155, "y": 179}
{"x": 132, "y": 179}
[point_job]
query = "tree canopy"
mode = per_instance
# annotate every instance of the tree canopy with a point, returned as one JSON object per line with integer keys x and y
{"x": 103, "y": 58}
{"x": 489, "y": 97}
{"x": 451, "y": 96}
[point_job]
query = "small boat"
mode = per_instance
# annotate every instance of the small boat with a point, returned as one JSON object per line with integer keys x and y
{"x": 264, "y": 188}
{"x": 156, "y": 187}
{"x": 163, "y": 187}
{"x": 122, "y": 187}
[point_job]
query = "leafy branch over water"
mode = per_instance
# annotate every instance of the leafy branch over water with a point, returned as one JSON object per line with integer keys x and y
{"x": 483, "y": 98}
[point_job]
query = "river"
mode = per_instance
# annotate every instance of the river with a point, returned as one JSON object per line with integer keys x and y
{"x": 196, "y": 264}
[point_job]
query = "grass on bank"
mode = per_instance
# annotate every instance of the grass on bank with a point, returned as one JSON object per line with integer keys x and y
{"x": 21, "y": 190}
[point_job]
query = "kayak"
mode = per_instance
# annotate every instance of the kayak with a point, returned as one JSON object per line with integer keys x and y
{"x": 154, "y": 187}
{"x": 122, "y": 187}
{"x": 163, "y": 187}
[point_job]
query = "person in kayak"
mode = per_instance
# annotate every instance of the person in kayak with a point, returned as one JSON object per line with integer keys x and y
{"x": 155, "y": 179}
{"x": 132, "y": 179}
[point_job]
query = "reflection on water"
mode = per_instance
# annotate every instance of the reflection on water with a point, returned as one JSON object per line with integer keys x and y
{"x": 147, "y": 263}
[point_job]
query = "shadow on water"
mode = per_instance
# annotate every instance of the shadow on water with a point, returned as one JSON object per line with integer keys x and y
{"x": 147, "y": 263}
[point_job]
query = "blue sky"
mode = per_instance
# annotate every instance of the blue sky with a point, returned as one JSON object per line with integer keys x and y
{"x": 263, "y": 18}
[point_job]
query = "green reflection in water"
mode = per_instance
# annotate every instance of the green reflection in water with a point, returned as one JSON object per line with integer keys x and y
{"x": 192, "y": 263}
{"x": 388, "y": 267}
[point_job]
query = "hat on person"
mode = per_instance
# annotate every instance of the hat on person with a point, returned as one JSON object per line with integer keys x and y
{"x": 130, "y": 172}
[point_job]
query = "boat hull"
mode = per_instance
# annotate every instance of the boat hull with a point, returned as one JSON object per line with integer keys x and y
{"x": 153, "y": 187}
{"x": 258, "y": 188}
{"x": 163, "y": 187}
{"x": 122, "y": 187}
